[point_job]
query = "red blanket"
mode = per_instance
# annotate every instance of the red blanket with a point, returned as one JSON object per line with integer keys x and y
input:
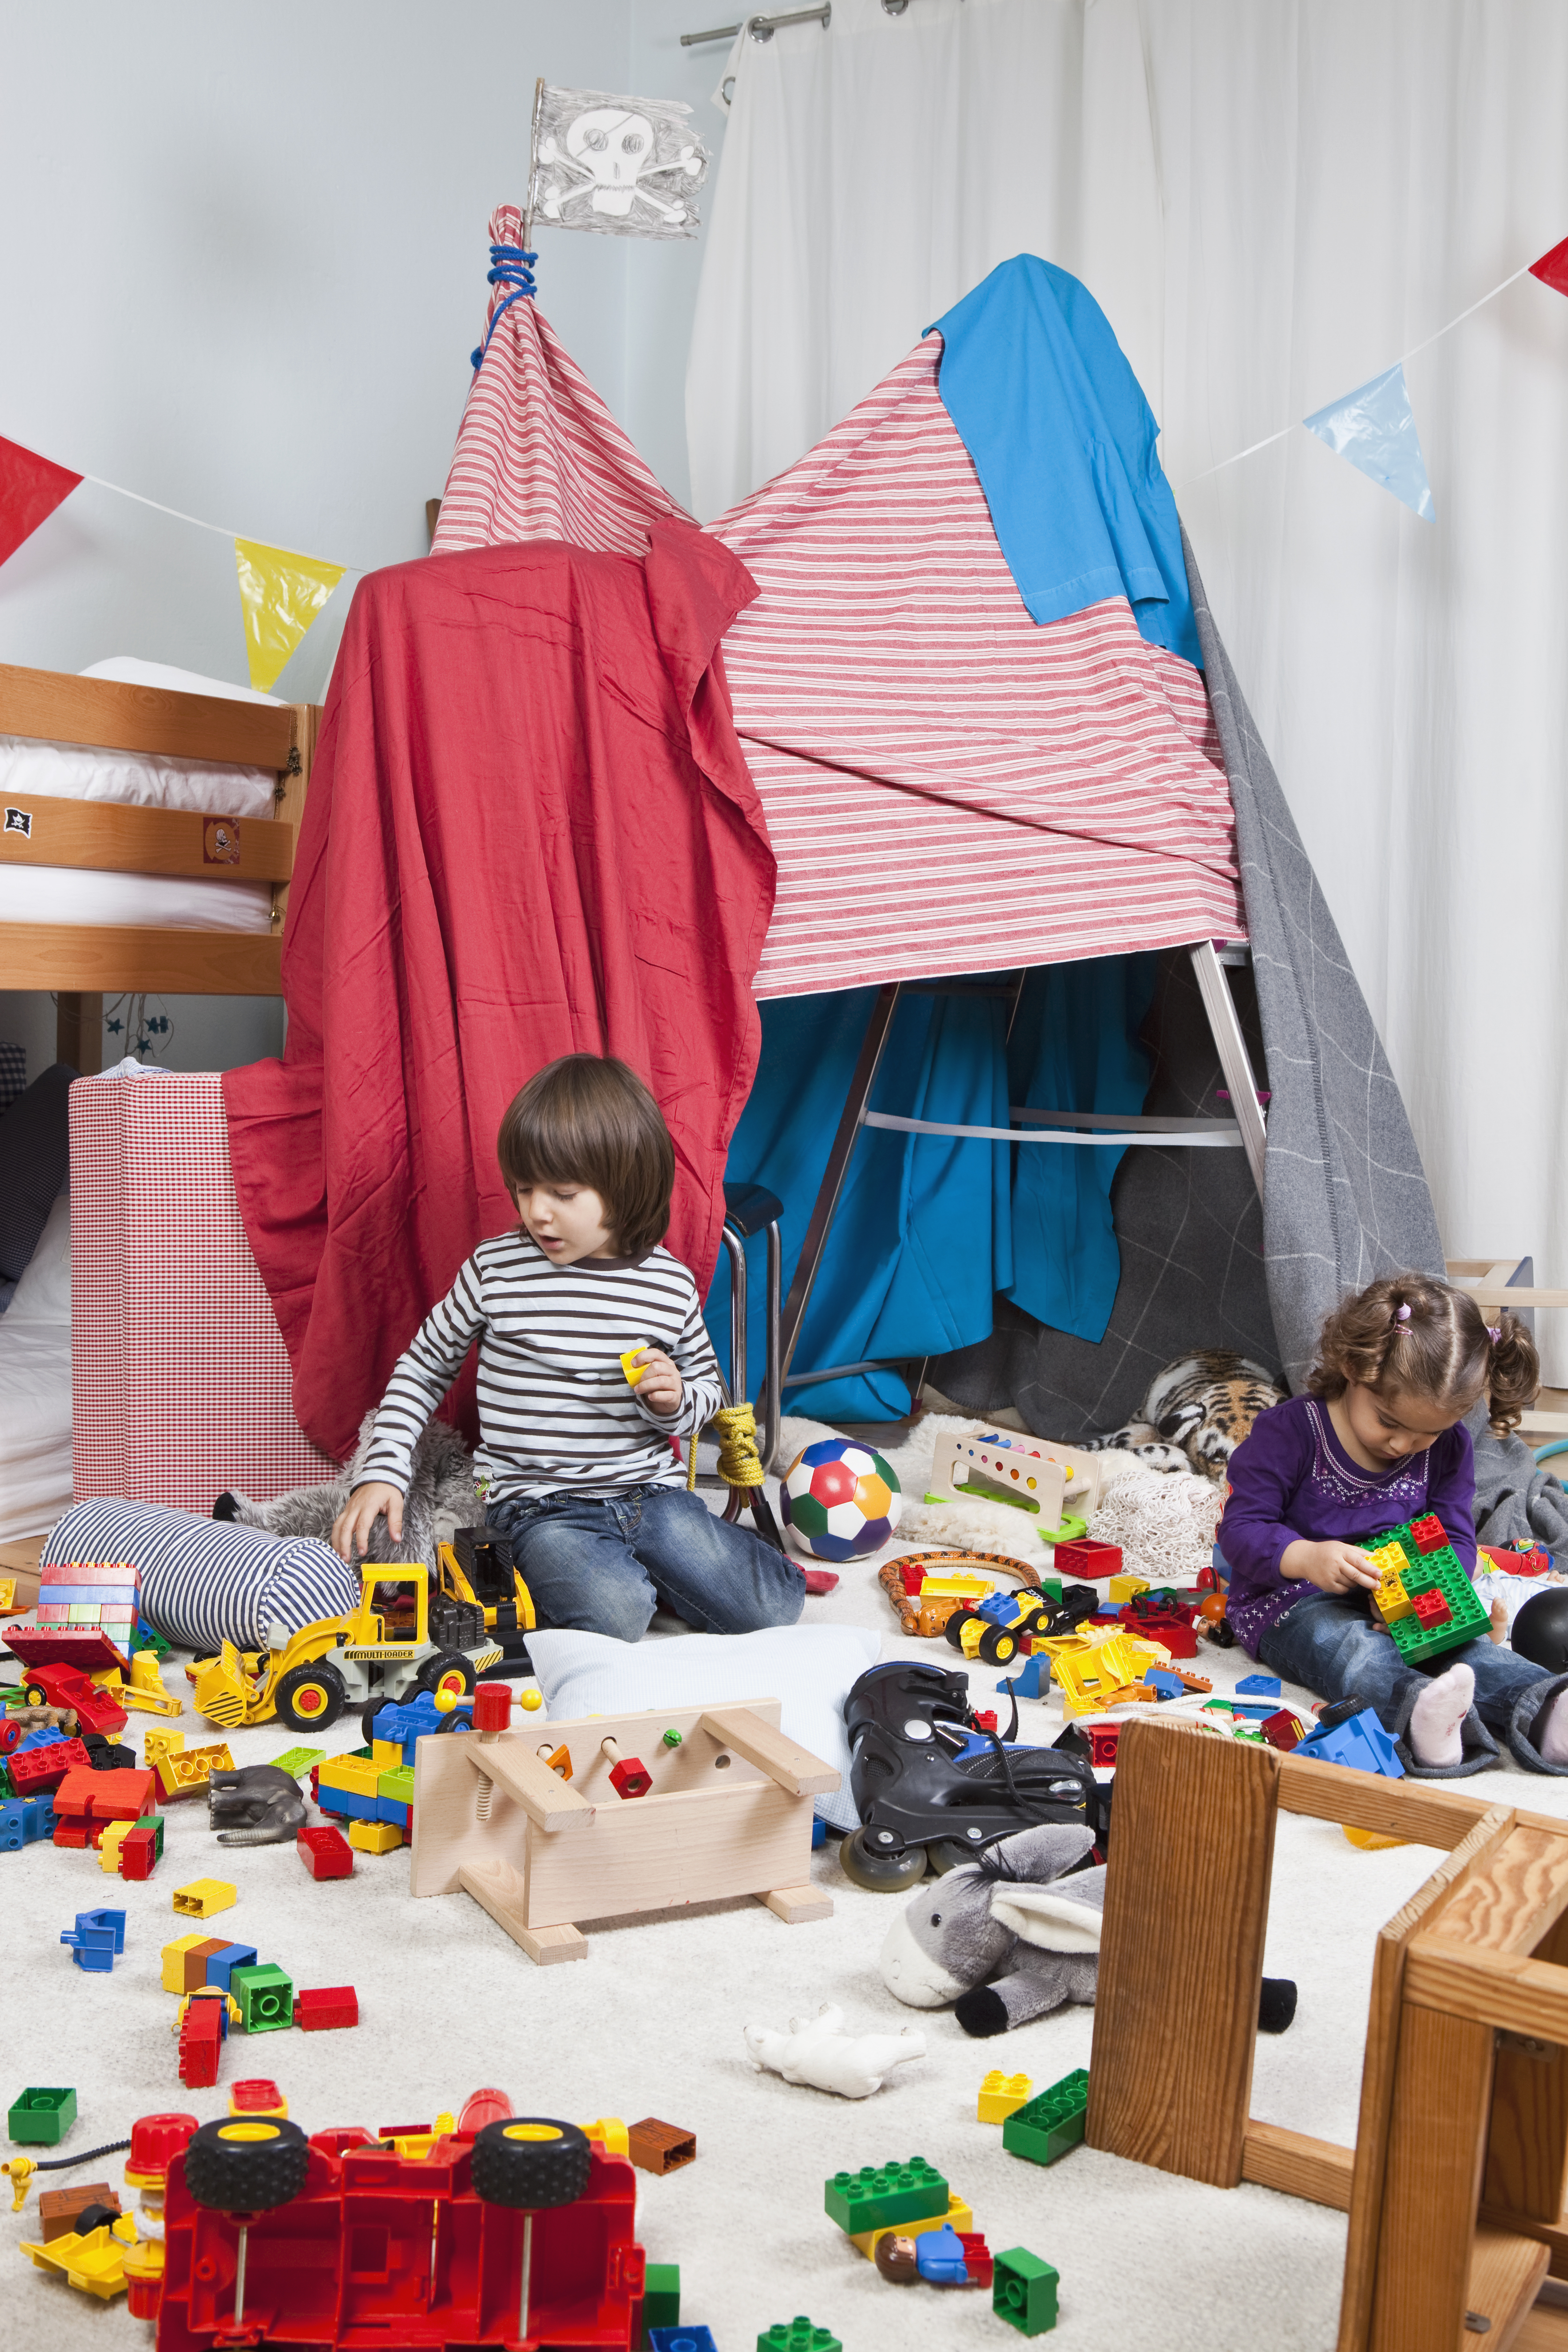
{"x": 529, "y": 832}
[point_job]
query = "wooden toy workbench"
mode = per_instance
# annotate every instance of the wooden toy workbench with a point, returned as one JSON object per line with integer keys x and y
{"x": 728, "y": 1813}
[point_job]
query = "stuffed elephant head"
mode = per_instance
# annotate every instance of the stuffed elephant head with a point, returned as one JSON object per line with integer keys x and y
{"x": 1007, "y": 1936}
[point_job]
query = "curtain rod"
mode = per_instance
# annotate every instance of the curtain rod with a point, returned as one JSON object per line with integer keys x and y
{"x": 762, "y": 28}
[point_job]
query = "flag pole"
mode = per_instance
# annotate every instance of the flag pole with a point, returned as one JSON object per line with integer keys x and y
{"x": 533, "y": 164}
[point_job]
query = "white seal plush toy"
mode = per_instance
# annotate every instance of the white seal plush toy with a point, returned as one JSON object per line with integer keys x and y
{"x": 823, "y": 2054}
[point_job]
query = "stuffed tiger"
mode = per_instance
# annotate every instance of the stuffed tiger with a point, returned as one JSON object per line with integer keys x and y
{"x": 1196, "y": 1413}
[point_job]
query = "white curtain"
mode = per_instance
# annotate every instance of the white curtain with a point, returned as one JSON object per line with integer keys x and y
{"x": 1272, "y": 201}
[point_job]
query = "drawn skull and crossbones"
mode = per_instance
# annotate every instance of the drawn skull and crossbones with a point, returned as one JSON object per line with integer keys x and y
{"x": 611, "y": 151}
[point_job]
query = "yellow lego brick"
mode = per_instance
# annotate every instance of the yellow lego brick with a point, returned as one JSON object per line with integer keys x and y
{"x": 114, "y": 1836}
{"x": 1001, "y": 2095}
{"x": 959, "y": 1583}
{"x": 157, "y": 1743}
{"x": 357, "y": 1773}
{"x": 611, "y": 2134}
{"x": 248, "y": 2107}
{"x": 629, "y": 1365}
{"x": 185, "y": 1771}
{"x": 1123, "y": 1588}
{"x": 202, "y": 1896}
{"x": 1100, "y": 1700}
{"x": 957, "y": 2217}
{"x": 1388, "y": 1559}
{"x": 1391, "y": 1600}
{"x": 173, "y": 1973}
{"x": 375, "y": 1837}
{"x": 7, "y": 1592}
{"x": 387, "y": 1755}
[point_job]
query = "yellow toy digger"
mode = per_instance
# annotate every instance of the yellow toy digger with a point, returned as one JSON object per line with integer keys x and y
{"x": 399, "y": 1640}
{"x": 477, "y": 1567}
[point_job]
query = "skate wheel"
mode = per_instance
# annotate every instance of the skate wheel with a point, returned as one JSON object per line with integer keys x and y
{"x": 881, "y": 1874}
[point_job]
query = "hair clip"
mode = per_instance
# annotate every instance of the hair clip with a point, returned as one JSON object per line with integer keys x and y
{"x": 1494, "y": 1332}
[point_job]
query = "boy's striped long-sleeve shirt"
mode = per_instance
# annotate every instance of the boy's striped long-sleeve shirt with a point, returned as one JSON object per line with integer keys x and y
{"x": 555, "y": 1408}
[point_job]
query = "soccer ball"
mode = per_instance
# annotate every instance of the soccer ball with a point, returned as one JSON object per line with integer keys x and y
{"x": 841, "y": 1498}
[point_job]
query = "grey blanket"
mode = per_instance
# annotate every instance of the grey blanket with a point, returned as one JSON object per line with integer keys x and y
{"x": 1513, "y": 1495}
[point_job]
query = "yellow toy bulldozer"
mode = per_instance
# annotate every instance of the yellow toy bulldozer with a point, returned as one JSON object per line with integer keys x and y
{"x": 476, "y": 1568}
{"x": 398, "y": 1639}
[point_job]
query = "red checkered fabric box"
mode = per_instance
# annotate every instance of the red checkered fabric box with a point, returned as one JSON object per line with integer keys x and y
{"x": 180, "y": 1380}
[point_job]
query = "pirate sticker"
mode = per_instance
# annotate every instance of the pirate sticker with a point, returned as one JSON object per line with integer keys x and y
{"x": 220, "y": 841}
{"x": 19, "y": 821}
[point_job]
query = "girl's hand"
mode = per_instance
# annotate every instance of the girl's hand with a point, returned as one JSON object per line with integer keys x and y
{"x": 660, "y": 1387}
{"x": 351, "y": 1528}
{"x": 1332, "y": 1567}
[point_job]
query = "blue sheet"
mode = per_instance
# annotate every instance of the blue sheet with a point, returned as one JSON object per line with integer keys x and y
{"x": 929, "y": 1227}
{"x": 1063, "y": 441}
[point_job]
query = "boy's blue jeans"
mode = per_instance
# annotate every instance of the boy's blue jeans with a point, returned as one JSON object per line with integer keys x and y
{"x": 603, "y": 1563}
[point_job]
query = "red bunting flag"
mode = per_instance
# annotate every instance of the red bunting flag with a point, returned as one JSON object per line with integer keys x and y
{"x": 1553, "y": 267}
{"x": 31, "y": 487}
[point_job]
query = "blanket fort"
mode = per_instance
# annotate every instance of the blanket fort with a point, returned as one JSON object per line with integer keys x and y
{"x": 531, "y": 831}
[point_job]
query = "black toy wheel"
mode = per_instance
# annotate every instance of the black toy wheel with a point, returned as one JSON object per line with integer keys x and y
{"x": 367, "y": 1716}
{"x": 310, "y": 1696}
{"x": 950, "y": 1854}
{"x": 529, "y": 2162}
{"x": 448, "y": 1670}
{"x": 954, "y": 1629}
{"x": 996, "y": 1645}
{"x": 246, "y": 2164}
{"x": 878, "y": 1872}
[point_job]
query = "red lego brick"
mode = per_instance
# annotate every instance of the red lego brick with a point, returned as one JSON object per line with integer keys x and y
{"x": 1428, "y": 1534}
{"x": 36, "y": 1771}
{"x": 201, "y": 2035}
{"x": 74, "y": 1833}
{"x": 985, "y": 1719}
{"x": 1432, "y": 1610}
{"x": 913, "y": 1575}
{"x": 320, "y": 2008}
{"x": 139, "y": 1849}
{"x": 1087, "y": 1561}
{"x": 1282, "y": 1730}
{"x": 126, "y": 1795}
{"x": 977, "y": 2257}
{"x": 325, "y": 1853}
{"x": 1103, "y": 1741}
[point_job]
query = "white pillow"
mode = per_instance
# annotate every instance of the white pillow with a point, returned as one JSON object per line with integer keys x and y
{"x": 126, "y": 669}
{"x": 809, "y": 1669}
{"x": 44, "y": 1292}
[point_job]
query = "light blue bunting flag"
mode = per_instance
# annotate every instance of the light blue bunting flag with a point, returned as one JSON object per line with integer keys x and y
{"x": 1375, "y": 428}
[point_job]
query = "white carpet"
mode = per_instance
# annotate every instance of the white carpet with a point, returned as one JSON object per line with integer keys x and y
{"x": 651, "y": 2024}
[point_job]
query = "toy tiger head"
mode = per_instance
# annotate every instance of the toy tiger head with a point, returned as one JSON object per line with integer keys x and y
{"x": 1196, "y": 1413}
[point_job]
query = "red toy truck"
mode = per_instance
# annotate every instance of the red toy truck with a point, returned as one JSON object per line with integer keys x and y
{"x": 505, "y": 2231}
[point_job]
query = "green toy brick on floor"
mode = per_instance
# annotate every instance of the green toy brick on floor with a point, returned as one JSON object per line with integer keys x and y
{"x": 265, "y": 1998}
{"x": 41, "y": 2118}
{"x": 797, "y": 2335}
{"x": 1024, "y": 2292}
{"x": 1051, "y": 2123}
{"x": 878, "y": 2195}
{"x": 661, "y": 2296}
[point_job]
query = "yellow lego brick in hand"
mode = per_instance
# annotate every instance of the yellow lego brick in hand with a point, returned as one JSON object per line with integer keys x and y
{"x": 1390, "y": 1599}
{"x": 629, "y": 1364}
{"x": 202, "y": 1896}
{"x": 1001, "y": 2095}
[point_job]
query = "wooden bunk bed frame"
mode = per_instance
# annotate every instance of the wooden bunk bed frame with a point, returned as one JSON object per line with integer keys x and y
{"x": 82, "y": 964}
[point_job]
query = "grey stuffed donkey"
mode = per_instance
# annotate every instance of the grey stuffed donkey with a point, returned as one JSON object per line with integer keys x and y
{"x": 440, "y": 1497}
{"x": 1005, "y": 1937}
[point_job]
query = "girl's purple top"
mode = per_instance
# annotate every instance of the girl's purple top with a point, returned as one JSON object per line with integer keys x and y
{"x": 1291, "y": 1479}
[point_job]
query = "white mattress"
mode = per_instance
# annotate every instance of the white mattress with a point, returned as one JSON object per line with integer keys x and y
{"x": 34, "y": 1428}
{"x": 65, "y": 894}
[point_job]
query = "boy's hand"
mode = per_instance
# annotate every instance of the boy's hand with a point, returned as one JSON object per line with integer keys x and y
{"x": 351, "y": 1528}
{"x": 660, "y": 1387}
{"x": 1332, "y": 1567}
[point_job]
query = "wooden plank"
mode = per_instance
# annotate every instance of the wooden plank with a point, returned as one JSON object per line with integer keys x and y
{"x": 78, "y": 1032}
{"x": 1543, "y": 2328}
{"x": 114, "y": 959}
{"x": 293, "y": 788}
{"x": 60, "y": 708}
{"x": 1506, "y": 2271}
{"x": 1522, "y": 1996}
{"x": 793, "y": 1767}
{"x": 432, "y": 517}
{"x": 1190, "y": 1864}
{"x": 1378, "y": 2063}
{"x": 1437, "y": 2140}
{"x": 1552, "y": 2235}
{"x": 1511, "y": 1904}
{"x": 1527, "y": 2147}
{"x": 1491, "y": 1294}
{"x": 551, "y": 1803}
{"x": 497, "y": 1887}
{"x": 660, "y": 1853}
{"x": 794, "y": 1905}
{"x": 1298, "y": 2165}
{"x": 1423, "y": 1812}
{"x": 116, "y": 837}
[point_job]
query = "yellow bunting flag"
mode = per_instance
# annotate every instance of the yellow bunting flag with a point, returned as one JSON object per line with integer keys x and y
{"x": 280, "y": 596}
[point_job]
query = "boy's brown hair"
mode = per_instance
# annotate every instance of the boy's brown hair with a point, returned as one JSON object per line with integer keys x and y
{"x": 590, "y": 1120}
{"x": 1411, "y": 1335}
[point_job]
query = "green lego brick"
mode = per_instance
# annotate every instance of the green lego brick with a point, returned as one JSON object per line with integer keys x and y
{"x": 297, "y": 1761}
{"x": 1050, "y": 2124}
{"x": 878, "y": 2195}
{"x": 797, "y": 2335}
{"x": 1024, "y": 2292}
{"x": 265, "y": 1998}
{"x": 661, "y": 2297}
{"x": 398, "y": 1786}
{"x": 1440, "y": 1572}
{"x": 41, "y": 2118}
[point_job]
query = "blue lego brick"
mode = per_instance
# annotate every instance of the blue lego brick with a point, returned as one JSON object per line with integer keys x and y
{"x": 1169, "y": 1686}
{"x": 45, "y": 1736}
{"x": 1261, "y": 1685}
{"x": 818, "y": 1833}
{"x": 347, "y": 1801}
{"x": 95, "y": 1940}
{"x": 87, "y": 1596}
{"x": 1026, "y": 1684}
{"x": 1361, "y": 1743}
{"x": 685, "y": 2338}
{"x": 25, "y": 1821}
{"x": 222, "y": 1965}
{"x": 387, "y": 1808}
{"x": 1255, "y": 1710}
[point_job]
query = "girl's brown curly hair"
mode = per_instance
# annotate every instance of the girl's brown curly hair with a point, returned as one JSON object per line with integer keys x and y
{"x": 1411, "y": 1335}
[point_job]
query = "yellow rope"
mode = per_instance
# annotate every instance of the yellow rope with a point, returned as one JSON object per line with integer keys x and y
{"x": 691, "y": 1466}
{"x": 740, "y": 1464}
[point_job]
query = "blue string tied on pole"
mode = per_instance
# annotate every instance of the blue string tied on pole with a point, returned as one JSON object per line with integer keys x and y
{"x": 511, "y": 265}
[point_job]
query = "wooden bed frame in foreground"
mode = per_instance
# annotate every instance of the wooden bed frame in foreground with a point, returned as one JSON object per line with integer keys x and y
{"x": 85, "y": 962}
{"x": 1455, "y": 2186}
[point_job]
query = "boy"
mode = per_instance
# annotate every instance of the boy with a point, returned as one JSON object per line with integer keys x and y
{"x": 582, "y": 1479}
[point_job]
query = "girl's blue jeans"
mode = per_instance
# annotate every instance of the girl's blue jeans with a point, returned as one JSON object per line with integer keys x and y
{"x": 603, "y": 1563}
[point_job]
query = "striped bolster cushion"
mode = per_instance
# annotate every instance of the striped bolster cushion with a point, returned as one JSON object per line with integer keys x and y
{"x": 204, "y": 1582}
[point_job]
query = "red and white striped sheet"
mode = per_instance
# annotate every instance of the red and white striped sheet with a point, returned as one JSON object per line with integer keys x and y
{"x": 948, "y": 786}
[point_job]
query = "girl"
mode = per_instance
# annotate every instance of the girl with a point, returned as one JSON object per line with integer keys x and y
{"x": 1378, "y": 1439}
